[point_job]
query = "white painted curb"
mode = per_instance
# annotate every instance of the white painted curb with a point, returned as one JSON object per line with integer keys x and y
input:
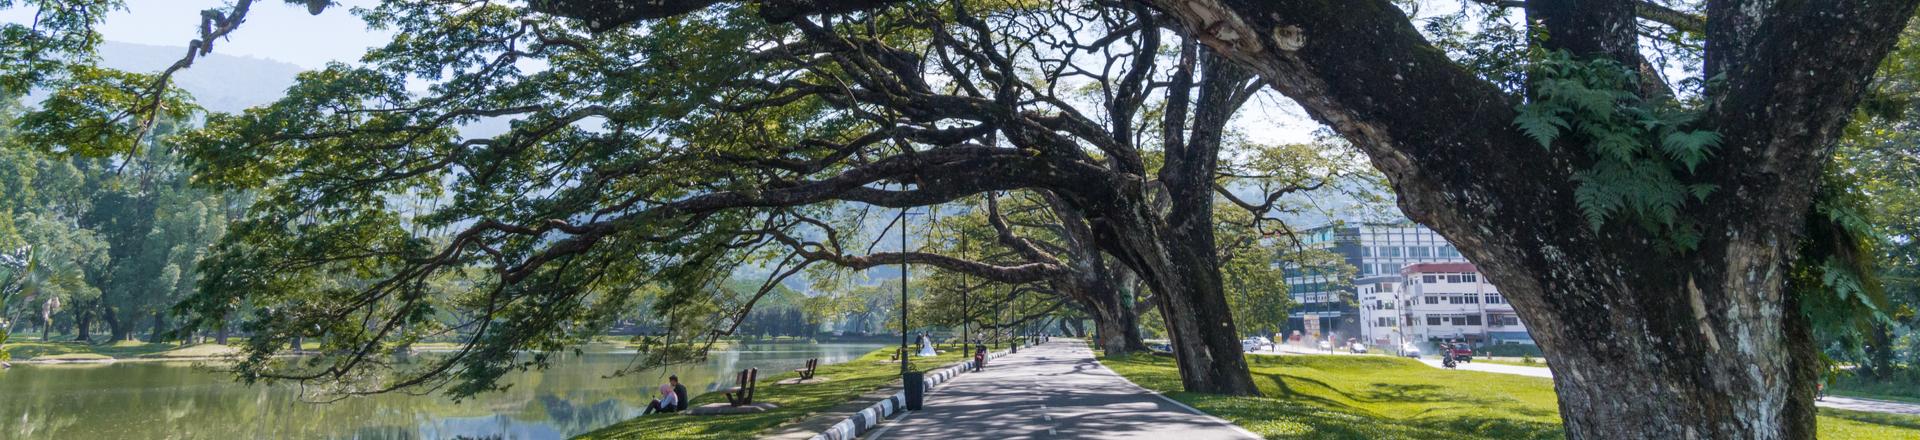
{"x": 866, "y": 419}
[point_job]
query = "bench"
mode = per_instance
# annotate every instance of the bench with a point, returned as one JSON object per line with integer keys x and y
{"x": 742, "y": 392}
{"x": 807, "y": 373}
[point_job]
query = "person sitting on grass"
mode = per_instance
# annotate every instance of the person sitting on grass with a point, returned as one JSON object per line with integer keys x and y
{"x": 668, "y": 402}
{"x": 679, "y": 392}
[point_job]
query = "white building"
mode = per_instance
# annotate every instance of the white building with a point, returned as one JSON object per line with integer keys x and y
{"x": 1325, "y": 303}
{"x": 1451, "y": 301}
{"x": 1379, "y": 298}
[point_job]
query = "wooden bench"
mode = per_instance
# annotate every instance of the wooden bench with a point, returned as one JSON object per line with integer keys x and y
{"x": 742, "y": 392}
{"x": 807, "y": 373}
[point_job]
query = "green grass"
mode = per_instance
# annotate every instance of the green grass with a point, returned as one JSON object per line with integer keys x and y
{"x": 196, "y": 352}
{"x": 1379, "y": 397}
{"x": 71, "y": 357}
{"x": 119, "y": 350}
{"x": 1899, "y": 388}
{"x": 847, "y": 381}
{"x": 1518, "y": 362}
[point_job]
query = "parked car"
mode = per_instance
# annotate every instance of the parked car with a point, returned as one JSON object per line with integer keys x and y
{"x": 1357, "y": 347}
{"x": 1409, "y": 350}
{"x": 1326, "y": 345}
{"x": 1255, "y": 343}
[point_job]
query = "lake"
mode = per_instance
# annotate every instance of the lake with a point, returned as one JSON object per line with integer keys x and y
{"x": 154, "y": 400}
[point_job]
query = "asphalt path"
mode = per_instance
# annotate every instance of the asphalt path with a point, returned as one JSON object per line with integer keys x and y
{"x": 1052, "y": 390}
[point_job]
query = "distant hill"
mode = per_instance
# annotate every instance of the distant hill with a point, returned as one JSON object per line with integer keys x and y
{"x": 222, "y": 83}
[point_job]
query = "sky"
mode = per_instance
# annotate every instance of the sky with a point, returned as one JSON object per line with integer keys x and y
{"x": 273, "y": 30}
{"x": 279, "y": 31}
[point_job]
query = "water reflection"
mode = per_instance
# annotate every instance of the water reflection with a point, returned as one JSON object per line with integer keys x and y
{"x": 178, "y": 401}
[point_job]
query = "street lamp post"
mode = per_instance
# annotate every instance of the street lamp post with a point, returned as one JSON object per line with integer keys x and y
{"x": 964, "y": 316}
{"x": 903, "y": 290}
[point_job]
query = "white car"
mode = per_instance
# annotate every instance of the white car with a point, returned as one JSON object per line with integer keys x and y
{"x": 1358, "y": 347}
{"x": 1409, "y": 350}
{"x": 1325, "y": 345}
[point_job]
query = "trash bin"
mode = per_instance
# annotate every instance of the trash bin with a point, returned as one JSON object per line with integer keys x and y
{"x": 916, "y": 384}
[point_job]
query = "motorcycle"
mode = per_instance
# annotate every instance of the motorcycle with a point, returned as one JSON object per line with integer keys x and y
{"x": 1447, "y": 361}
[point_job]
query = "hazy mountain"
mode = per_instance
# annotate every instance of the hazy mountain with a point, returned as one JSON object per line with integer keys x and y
{"x": 223, "y": 83}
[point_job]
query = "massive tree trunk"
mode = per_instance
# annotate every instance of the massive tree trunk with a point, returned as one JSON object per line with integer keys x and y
{"x": 83, "y": 321}
{"x": 159, "y": 327}
{"x": 118, "y": 330}
{"x": 1168, "y": 239}
{"x": 1644, "y": 344}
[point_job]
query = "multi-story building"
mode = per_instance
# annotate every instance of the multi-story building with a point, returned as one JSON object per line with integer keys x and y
{"x": 1325, "y": 298}
{"x": 1451, "y": 301}
{"x": 1379, "y": 308}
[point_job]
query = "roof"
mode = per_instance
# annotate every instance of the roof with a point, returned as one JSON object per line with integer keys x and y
{"x": 1440, "y": 267}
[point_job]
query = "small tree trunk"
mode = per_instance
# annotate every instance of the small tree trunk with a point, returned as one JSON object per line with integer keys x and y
{"x": 116, "y": 330}
{"x": 159, "y": 327}
{"x": 220, "y": 336}
{"x": 83, "y": 324}
{"x": 1879, "y": 362}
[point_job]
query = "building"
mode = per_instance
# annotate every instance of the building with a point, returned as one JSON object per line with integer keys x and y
{"x": 1447, "y": 301}
{"x": 1379, "y": 308}
{"x": 1326, "y": 301}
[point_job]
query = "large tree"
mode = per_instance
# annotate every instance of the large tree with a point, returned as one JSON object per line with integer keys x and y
{"x": 1630, "y": 291}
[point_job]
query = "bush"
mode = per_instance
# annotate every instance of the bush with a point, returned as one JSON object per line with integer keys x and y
{"x": 1510, "y": 350}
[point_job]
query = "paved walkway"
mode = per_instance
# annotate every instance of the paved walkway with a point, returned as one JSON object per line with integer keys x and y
{"x": 1052, "y": 390}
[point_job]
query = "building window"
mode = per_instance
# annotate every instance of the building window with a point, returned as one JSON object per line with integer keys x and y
{"x": 1366, "y": 251}
{"x": 1494, "y": 298}
{"x": 1386, "y": 287}
{"x": 1433, "y": 300}
{"x": 1391, "y": 251}
{"x": 1505, "y": 320}
{"x": 1418, "y": 251}
{"x": 1429, "y": 279}
{"x": 1433, "y": 320}
{"x": 1471, "y": 278}
{"x": 1453, "y": 278}
{"x": 1471, "y": 299}
{"x": 1473, "y": 319}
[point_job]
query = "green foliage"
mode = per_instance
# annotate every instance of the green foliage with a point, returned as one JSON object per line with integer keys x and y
{"x": 1641, "y": 155}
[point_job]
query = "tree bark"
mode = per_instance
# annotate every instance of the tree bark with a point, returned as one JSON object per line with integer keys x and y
{"x": 159, "y": 326}
{"x": 118, "y": 330}
{"x": 220, "y": 336}
{"x": 1643, "y": 344}
{"x": 83, "y": 321}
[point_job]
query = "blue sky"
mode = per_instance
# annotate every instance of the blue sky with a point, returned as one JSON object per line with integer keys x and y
{"x": 274, "y": 29}
{"x": 278, "y": 31}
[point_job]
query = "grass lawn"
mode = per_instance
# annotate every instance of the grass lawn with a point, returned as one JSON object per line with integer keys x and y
{"x": 1518, "y": 362}
{"x": 1380, "y": 397}
{"x": 196, "y": 351}
{"x": 72, "y": 357}
{"x": 848, "y": 381}
{"x": 1902, "y": 388}
{"x": 28, "y": 350}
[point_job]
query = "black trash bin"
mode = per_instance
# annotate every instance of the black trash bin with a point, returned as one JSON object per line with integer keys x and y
{"x": 916, "y": 384}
